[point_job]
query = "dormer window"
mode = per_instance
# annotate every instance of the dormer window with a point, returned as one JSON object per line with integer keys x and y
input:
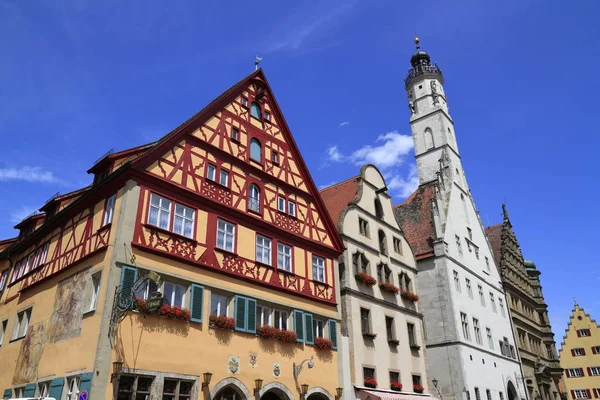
{"x": 255, "y": 110}
{"x": 100, "y": 175}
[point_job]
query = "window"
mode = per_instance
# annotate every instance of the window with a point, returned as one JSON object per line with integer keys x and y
{"x": 578, "y": 352}
{"x": 469, "y": 289}
{"x": 254, "y": 198}
{"x": 3, "y": 331}
{"x": 284, "y": 257}
{"x": 211, "y": 172}
{"x": 456, "y": 281}
{"x": 384, "y": 273}
{"x": 20, "y": 392}
{"x": 488, "y": 394}
{"x": 501, "y": 305}
{"x": 360, "y": 263}
{"x": 110, "y": 209}
{"x": 280, "y": 204}
{"x": 394, "y": 376}
{"x": 72, "y": 387}
{"x": 596, "y": 350}
{"x": 292, "y": 208}
{"x": 488, "y": 332}
{"x": 405, "y": 282}
{"x": 477, "y": 394}
{"x": 175, "y": 389}
{"x": 398, "y": 246}
{"x": 281, "y": 319}
{"x": 501, "y": 396}
{"x": 219, "y": 305}
{"x": 21, "y": 324}
{"x": 255, "y": 150}
{"x": 477, "y": 331}
{"x": 382, "y": 243}
{"x": 378, "y": 209}
{"x": 244, "y": 102}
{"x": 416, "y": 380}
{"x": 411, "y": 334}
{"x": 225, "y": 235}
{"x": 596, "y": 393}
{"x": 458, "y": 246}
{"x": 174, "y": 294}
{"x": 389, "y": 328}
{"x": 267, "y": 116}
{"x": 224, "y": 178}
{"x": 95, "y": 292}
{"x": 481, "y": 297}
{"x": 3, "y": 279}
{"x": 469, "y": 231}
{"x": 594, "y": 371}
{"x": 134, "y": 387}
{"x": 487, "y": 264}
{"x": 43, "y": 389}
{"x": 465, "y": 325}
{"x": 318, "y": 265}
{"x": 368, "y": 373}
{"x": 263, "y": 250}
{"x": 363, "y": 227}
{"x": 183, "y": 224}
{"x": 580, "y": 394}
{"x": 365, "y": 323}
{"x": 148, "y": 288}
{"x": 235, "y": 134}
{"x": 584, "y": 332}
{"x": 275, "y": 157}
{"x": 319, "y": 328}
{"x": 263, "y": 316}
{"x": 255, "y": 110}
{"x": 160, "y": 211}
{"x": 493, "y": 302}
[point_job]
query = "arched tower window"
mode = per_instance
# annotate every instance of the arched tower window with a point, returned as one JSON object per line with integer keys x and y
{"x": 255, "y": 110}
{"x": 378, "y": 209}
{"x": 382, "y": 243}
{"x": 255, "y": 150}
{"x": 254, "y": 198}
{"x": 428, "y": 139}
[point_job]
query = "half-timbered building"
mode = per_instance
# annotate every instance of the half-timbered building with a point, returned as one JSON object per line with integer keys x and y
{"x": 197, "y": 266}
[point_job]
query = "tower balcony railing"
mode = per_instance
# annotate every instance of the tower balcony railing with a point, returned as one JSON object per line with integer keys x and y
{"x": 421, "y": 70}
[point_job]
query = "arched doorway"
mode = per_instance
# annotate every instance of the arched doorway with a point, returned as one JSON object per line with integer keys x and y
{"x": 276, "y": 391}
{"x": 229, "y": 393}
{"x": 512, "y": 392}
{"x": 317, "y": 396}
{"x": 273, "y": 395}
{"x": 318, "y": 393}
{"x": 230, "y": 389}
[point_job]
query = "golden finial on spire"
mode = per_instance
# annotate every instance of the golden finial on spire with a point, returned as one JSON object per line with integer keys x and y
{"x": 417, "y": 42}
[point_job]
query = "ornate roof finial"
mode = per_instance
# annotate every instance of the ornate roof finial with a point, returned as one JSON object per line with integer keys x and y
{"x": 417, "y": 42}
{"x": 256, "y": 61}
{"x": 575, "y": 301}
{"x": 504, "y": 211}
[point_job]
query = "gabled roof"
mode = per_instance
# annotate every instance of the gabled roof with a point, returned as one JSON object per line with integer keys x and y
{"x": 338, "y": 196}
{"x": 60, "y": 197}
{"x": 415, "y": 218}
{"x": 494, "y": 235}
{"x": 119, "y": 154}
{"x": 29, "y": 218}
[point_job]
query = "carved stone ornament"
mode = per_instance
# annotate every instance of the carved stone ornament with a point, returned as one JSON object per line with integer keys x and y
{"x": 253, "y": 359}
{"x": 276, "y": 370}
{"x": 233, "y": 365}
{"x": 411, "y": 105}
{"x": 434, "y": 92}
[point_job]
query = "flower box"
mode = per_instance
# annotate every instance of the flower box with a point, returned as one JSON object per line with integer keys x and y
{"x": 370, "y": 383}
{"x": 287, "y": 336}
{"x": 415, "y": 347}
{"x": 394, "y": 342}
{"x": 166, "y": 311}
{"x": 405, "y": 294}
{"x": 221, "y": 322}
{"x": 365, "y": 278}
{"x": 370, "y": 335}
{"x": 418, "y": 389}
{"x": 388, "y": 287}
{"x": 323, "y": 343}
{"x": 269, "y": 332}
{"x": 397, "y": 386}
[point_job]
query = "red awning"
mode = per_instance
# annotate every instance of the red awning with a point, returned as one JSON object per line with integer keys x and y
{"x": 374, "y": 395}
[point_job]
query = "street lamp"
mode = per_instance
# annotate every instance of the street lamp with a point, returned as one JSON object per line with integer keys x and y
{"x": 117, "y": 367}
{"x": 338, "y": 393}
{"x": 206, "y": 379}
{"x": 437, "y": 388}
{"x": 257, "y": 385}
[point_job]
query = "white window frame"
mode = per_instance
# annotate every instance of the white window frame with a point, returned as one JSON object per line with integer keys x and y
{"x": 456, "y": 281}
{"x": 224, "y": 177}
{"x": 477, "y": 331}
{"x": 318, "y": 264}
{"x": 283, "y": 258}
{"x": 493, "y": 302}
{"x": 160, "y": 210}
{"x": 264, "y": 315}
{"x": 264, "y": 247}
{"x": 583, "y": 332}
{"x": 594, "y": 371}
{"x": 279, "y": 318}
{"x": 22, "y": 323}
{"x": 254, "y": 198}
{"x": 3, "y": 279}
{"x": 575, "y": 372}
{"x": 222, "y": 230}
{"x": 291, "y": 208}
{"x": 219, "y": 298}
{"x": 469, "y": 287}
{"x": 3, "y": 327}
{"x": 183, "y": 214}
{"x": 281, "y": 204}
{"x": 43, "y": 388}
{"x": 580, "y": 393}
{"x": 96, "y": 280}
{"x": 109, "y": 209}
{"x": 175, "y": 285}
{"x": 71, "y": 391}
{"x": 464, "y": 321}
{"x": 578, "y": 352}
{"x": 211, "y": 172}
{"x": 319, "y": 327}
{"x": 481, "y": 295}
{"x": 597, "y": 351}
{"x": 490, "y": 337}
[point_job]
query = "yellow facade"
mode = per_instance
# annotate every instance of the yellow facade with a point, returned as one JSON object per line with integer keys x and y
{"x": 580, "y": 356}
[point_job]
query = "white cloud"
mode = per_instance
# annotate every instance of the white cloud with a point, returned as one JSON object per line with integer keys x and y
{"x": 19, "y": 214}
{"x": 27, "y": 174}
{"x": 403, "y": 187}
{"x": 344, "y": 123}
{"x": 333, "y": 154}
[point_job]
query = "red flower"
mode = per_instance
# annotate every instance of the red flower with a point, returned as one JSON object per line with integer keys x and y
{"x": 418, "y": 389}
{"x": 323, "y": 343}
{"x": 221, "y": 321}
{"x": 409, "y": 295}
{"x": 395, "y": 385}
{"x": 371, "y": 383}
{"x": 388, "y": 287}
{"x": 365, "y": 278}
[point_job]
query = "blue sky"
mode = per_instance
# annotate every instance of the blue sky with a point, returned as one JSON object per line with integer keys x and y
{"x": 82, "y": 77}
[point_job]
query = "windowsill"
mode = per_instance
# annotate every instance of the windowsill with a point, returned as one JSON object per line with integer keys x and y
{"x": 89, "y": 313}
{"x": 287, "y": 214}
{"x": 265, "y": 265}
{"x": 255, "y": 212}
{"x": 485, "y": 272}
{"x": 236, "y": 140}
{"x": 17, "y": 339}
{"x": 218, "y": 184}
{"x": 150, "y": 226}
{"x": 285, "y": 271}
{"x": 320, "y": 283}
{"x": 226, "y": 252}
{"x": 105, "y": 227}
{"x": 259, "y": 162}
{"x": 275, "y": 162}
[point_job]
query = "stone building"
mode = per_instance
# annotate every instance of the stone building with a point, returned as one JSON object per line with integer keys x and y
{"x": 580, "y": 356}
{"x": 382, "y": 327}
{"x": 529, "y": 313}
{"x": 469, "y": 337}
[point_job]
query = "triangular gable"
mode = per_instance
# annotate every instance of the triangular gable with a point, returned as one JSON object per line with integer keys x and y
{"x": 175, "y": 152}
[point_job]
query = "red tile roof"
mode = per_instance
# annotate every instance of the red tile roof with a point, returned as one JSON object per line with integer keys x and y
{"x": 494, "y": 235}
{"x": 415, "y": 219}
{"x": 337, "y": 197}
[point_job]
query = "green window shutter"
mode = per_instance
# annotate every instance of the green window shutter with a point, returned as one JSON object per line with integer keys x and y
{"x": 299, "y": 324}
{"x": 333, "y": 332}
{"x": 309, "y": 330}
{"x": 196, "y": 303}
{"x": 240, "y": 313}
{"x": 251, "y": 320}
{"x": 128, "y": 278}
{"x": 56, "y": 388}
{"x": 7, "y": 393}
{"x": 29, "y": 390}
{"x": 85, "y": 383}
